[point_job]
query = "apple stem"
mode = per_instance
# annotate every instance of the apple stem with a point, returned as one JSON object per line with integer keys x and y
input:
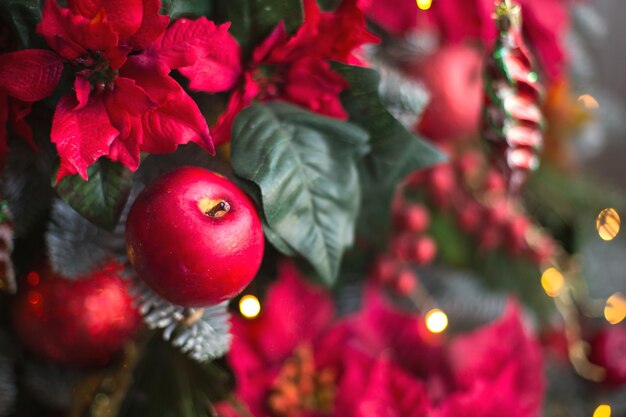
{"x": 191, "y": 316}
{"x": 218, "y": 210}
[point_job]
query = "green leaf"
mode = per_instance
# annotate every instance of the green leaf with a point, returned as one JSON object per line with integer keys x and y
{"x": 191, "y": 387}
{"x": 187, "y": 8}
{"x": 22, "y": 16}
{"x": 395, "y": 152}
{"x": 102, "y": 198}
{"x": 253, "y": 20}
{"x": 305, "y": 168}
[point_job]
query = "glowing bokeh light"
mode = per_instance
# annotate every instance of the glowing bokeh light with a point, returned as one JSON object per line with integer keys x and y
{"x": 552, "y": 282}
{"x": 588, "y": 101}
{"x": 608, "y": 224}
{"x": 424, "y": 4}
{"x": 603, "y": 410}
{"x": 615, "y": 308}
{"x": 249, "y": 306}
{"x": 436, "y": 321}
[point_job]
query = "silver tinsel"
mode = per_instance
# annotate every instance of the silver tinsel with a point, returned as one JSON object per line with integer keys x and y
{"x": 203, "y": 334}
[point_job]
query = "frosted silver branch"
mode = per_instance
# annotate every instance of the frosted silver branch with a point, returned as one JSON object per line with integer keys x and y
{"x": 204, "y": 338}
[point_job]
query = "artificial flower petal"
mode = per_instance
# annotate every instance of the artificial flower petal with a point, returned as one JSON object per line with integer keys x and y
{"x": 152, "y": 26}
{"x": 80, "y": 135}
{"x": 124, "y": 16}
{"x": 205, "y": 53}
{"x": 31, "y": 74}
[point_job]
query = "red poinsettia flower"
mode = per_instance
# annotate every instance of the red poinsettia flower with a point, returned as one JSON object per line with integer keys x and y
{"x": 291, "y": 68}
{"x": 545, "y": 23}
{"x": 25, "y": 77}
{"x": 271, "y": 351}
{"x": 496, "y": 367}
{"x": 124, "y": 101}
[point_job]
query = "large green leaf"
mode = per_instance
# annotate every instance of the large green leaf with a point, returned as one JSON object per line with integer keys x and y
{"x": 253, "y": 20}
{"x": 305, "y": 167}
{"x": 22, "y": 16}
{"x": 102, "y": 198}
{"x": 395, "y": 152}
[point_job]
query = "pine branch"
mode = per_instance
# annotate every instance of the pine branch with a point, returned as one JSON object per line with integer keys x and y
{"x": 203, "y": 334}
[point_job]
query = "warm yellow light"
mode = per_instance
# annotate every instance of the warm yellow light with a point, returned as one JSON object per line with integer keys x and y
{"x": 249, "y": 306}
{"x": 552, "y": 282}
{"x": 588, "y": 101}
{"x": 615, "y": 308}
{"x": 603, "y": 410}
{"x": 424, "y": 4}
{"x": 608, "y": 224}
{"x": 436, "y": 321}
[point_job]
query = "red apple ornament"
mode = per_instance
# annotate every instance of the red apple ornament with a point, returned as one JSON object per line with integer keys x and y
{"x": 453, "y": 76}
{"x": 194, "y": 237}
{"x": 82, "y": 322}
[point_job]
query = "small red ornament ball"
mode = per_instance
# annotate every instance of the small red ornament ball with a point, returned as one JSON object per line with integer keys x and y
{"x": 82, "y": 322}
{"x": 453, "y": 76}
{"x": 194, "y": 237}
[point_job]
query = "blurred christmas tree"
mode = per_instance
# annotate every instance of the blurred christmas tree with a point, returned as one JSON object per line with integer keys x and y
{"x": 300, "y": 208}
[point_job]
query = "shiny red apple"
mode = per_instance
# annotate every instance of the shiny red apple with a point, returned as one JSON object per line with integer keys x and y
{"x": 194, "y": 237}
{"x": 454, "y": 79}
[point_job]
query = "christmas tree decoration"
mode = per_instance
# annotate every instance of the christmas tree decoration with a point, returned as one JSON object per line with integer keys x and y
{"x": 213, "y": 233}
{"x": 452, "y": 77}
{"x": 202, "y": 333}
{"x": 358, "y": 244}
{"x": 78, "y": 323}
{"x": 512, "y": 118}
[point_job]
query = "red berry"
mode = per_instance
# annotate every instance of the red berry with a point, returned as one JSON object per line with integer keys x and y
{"x": 495, "y": 182}
{"x": 424, "y": 250}
{"x": 405, "y": 282}
{"x": 194, "y": 237}
{"x": 516, "y": 234}
{"x": 441, "y": 184}
{"x": 414, "y": 218}
{"x": 470, "y": 216}
{"x": 79, "y": 323}
{"x": 385, "y": 269}
{"x": 489, "y": 237}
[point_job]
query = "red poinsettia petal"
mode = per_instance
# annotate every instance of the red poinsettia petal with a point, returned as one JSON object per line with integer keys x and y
{"x": 176, "y": 120}
{"x": 81, "y": 135}
{"x": 391, "y": 392}
{"x": 327, "y": 35}
{"x": 276, "y": 38}
{"x": 237, "y": 101}
{"x": 72, "y": 36}
{"x": 82, "y": 87}
{"x": 502, "y": 346}
{"x": 311, "y": 83}
{"x": 124, "y": 16}
{"x": 204, "y": 52}
{"x": 152, "y": 26}
{"x": 30, "y": 75}
{"x": 295, "y": 312}
{"x": 125, "y": 106}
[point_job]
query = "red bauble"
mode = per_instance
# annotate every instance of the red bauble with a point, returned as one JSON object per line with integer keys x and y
{"x": 83, "y": 322}
{"x": 194, "y": 237}
{"x": 453, "y": 76}
{"x": 608, "y": 349}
